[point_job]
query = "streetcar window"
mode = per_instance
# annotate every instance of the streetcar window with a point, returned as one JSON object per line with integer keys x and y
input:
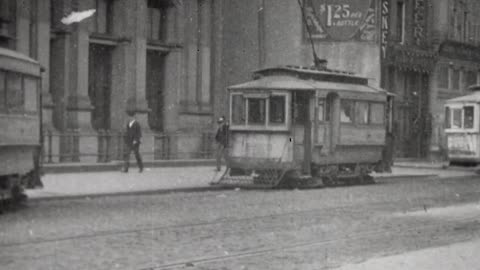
{"x": 377, "y": 113}
{"x": 256, "y": 111}
{"x": 2, "y": 91}
{"x": 14, "y": 92}
{"x": 321, "y": 109}
{"x": 457, "y": 118}
{"x": 347, "y": 111}
{"x": 361, "y": 112}
{"x": 277, "y": 109}
{"x": 468, "y": 117}
{"x": 447, "y": 117}
{"x": 30, "y": 86}
{"x": 238, "y": 110}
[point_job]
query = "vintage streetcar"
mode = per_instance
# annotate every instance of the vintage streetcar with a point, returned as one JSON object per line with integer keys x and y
{"x": 20, "y": 118}
{"x": 293, "y": 126}
{"x": 462, "y": 128}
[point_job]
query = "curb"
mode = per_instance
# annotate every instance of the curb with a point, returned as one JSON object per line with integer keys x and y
{"x": 207, "y": 189}
{"x": 129, "y": 193}
{"x": 117, "y": 165}
{"x": 395, "y": 177}
{"x": 439, "y": 168}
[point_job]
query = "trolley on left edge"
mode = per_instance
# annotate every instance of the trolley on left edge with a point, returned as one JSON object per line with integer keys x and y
{"x": 20, "y": 122}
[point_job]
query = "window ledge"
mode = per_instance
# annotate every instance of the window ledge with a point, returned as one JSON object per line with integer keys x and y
{"x": 107, "y": 39}
{"x": 258, "y": 128}
{"x": 163, "y": 46}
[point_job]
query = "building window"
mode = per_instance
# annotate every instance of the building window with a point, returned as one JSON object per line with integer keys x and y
{"x": 157, "y": 19}
{"x": 100, "y": 84}
{"x": 103, "y": 22}
{"x": 33, "y": 29}
{"x": 277, "y": 109}
{"x": 470, "y": 78}
{"x": 447, "y": 117}
{"x": 400, "y": 21}
{"x": 455, "y": 79}
{"x": 7, "y": 23}
{"x": 443, "y": 77}
{"x": 155, "y": 88}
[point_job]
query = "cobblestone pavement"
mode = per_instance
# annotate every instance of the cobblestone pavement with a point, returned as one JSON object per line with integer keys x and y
{"x": 282, "y": 229}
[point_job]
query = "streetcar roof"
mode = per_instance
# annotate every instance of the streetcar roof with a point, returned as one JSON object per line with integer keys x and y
{"x": 282, "y": 82}
{"x": 13, "y": 54}
{"x": 17, "y": 62}
{"x": 471, "y": 98}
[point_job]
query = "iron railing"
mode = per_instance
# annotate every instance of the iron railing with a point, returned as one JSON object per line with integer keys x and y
{"x": 106, "y": 146}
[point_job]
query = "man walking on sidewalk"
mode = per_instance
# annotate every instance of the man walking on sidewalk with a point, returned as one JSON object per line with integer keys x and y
{"x": 221, "y": 139}
{"x": 132, "y": 141}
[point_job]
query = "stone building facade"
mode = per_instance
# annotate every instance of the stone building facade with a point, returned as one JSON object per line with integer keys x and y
{"x": 159, "y": 58}
{"x": 456, "y": 41}
{"x": 170, "y": 61}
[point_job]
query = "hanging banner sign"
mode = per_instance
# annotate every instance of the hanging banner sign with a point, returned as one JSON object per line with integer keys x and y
{"x": 384, "y": 26}
{"x": 419, "y": 22}
{"x": 341, "y": 20}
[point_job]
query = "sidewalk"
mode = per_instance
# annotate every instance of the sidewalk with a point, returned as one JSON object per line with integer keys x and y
{"x": 170, "y": 179}
{"x": 453, "y": 257}
{"x": 167, "y": 179}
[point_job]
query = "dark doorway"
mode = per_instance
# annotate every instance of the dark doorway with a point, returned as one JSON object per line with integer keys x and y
{"x": 411, "y": 115}
{"x": 100, "y": 84}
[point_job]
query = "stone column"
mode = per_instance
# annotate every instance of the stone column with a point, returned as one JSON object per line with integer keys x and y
{"x": 219, "y": 91}
{"x": 122, "y": 71}
{"x": 59, "y": 71}
{"x": 437, "y": 137}
{"x": 191, "y": 54}
{"x": 135, "y": 60}
{"x": 79, "y": 107}
{"x": 43, "y": 56}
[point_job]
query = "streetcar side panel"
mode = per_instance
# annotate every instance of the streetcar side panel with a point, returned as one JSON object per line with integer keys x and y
{"x": 462, "y": 131}
{"x": 257, "y": 149}
{"x": 351, "y": 128}
{"x": 20, "y": 116}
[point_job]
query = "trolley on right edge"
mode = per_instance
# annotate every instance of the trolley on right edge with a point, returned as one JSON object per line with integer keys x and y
{"x": 462, "y": 128}
{"x": 306, "y": 127}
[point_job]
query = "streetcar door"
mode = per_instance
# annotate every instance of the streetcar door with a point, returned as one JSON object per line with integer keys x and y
{"x": 302, "y": 129}
{"x": 332, "y": 123}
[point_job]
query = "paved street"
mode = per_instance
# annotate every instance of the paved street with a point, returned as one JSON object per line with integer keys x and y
{"x": 236, "y": 229}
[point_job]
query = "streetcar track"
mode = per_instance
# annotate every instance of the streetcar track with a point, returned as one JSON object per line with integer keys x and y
{"x": 345, "y": 209}
{"x": 254, "y": 252}
{"x": 165, "y": 227}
